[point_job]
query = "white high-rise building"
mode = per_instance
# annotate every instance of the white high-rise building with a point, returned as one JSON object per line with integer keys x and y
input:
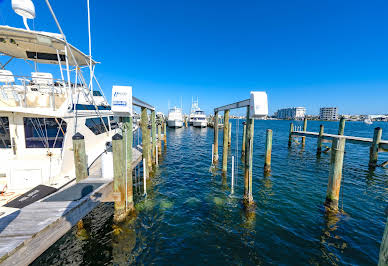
{"x": 291, "y": 113}
{"x": 328, "y": 113}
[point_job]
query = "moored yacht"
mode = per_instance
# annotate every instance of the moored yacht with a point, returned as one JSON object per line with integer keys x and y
{"x": 41, "y": 111}
{"x": 199, "y": 119}
{"x": 175, "y": 117}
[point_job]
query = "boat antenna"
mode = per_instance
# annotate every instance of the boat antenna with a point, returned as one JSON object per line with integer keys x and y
{"x": 24, "y": 8}
{"x": 90, "y": 49}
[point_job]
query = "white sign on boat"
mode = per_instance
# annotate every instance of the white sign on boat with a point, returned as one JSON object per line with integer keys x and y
{"x": 122, "y": 100}
{"x": 258, "y": 104}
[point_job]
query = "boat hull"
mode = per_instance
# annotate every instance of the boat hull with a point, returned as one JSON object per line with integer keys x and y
{"x": 200, "y": 124}
{"x": 175, "y": 123}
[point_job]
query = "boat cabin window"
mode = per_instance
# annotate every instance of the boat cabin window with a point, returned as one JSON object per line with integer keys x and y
{"x": 113, "y": 122}
{"x": 96, "y": 125}
{"x": 5, "y": 140}
{"x": 45, "y": 56}
{"x": 44, "y": 132}
{"x": 97, "y": 93}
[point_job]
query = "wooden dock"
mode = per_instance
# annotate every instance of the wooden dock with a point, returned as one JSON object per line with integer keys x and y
{"x": 26, "y": 233}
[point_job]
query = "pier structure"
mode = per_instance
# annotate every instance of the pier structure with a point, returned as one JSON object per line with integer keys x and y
{"x": 337, "y": 150}
{"x": 27, "y": 232}
{"x": 247, "y": 150}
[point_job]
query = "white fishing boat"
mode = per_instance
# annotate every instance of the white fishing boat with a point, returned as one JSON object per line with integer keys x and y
{"x": 194, "y": 108}
{"x": 199, "y": 119}
{"x": 40, "y": 112}
{"x": 175, "y": 117}
{"x": 368, "y": 121}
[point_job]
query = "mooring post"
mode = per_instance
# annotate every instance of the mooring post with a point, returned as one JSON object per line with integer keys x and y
{"x": 185, "y": 121}
{"x": 383, "y": 256}
{"x": 248, "y": 199}
{"x": 268, "y": 151}
{"x": 304, "y": 130}
{"x": 335, "y": 174}
{"x": 243, "y": 141}
{"x": 374, "y": 148}
{"x": 225, "y": 143}
{"x": 290, "y": 134}
{"x": 165, "y": 134}
{"x": 128, "y": 128}
{"x": 215, "y": 159}
{"x": 341, "y": 127}
{"x": 320, "y": 138}
{"x": 230, "y": 134}
{"x": 153, "y": 131}
{"x": 80, "y": 161}
{"x": 119, "y": 186}
{"x": 145, "y": 136}
{"x": 160, "y": 139}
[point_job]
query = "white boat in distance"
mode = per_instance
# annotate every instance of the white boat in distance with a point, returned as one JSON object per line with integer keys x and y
{"x": 175, "y": 117}
{"x": 368, "y": 121}
{"x": 199, "y": 119}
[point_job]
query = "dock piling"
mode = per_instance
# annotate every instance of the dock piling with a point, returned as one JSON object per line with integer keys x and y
{"x": 153, "y": 132}
{"x": 215, "y": 156}
{"x": 230, "y": 134}
{"x": 268, "y": 151}
{"x": 341, "y": 127}
{"x": 165, "y": 134}
{"x": 248, "y": 198}
{"x": 374, "y": 148}
{"x": 80, "y": 161}
{"x": 160, "y": 139}
{"x": 383, "y": 255}
{"x": 145, "y": 136}
{"x": 290, "y": 135}
{"x": 243, "y": 141}
{"x": 225, "y": 143}
{"x": 335, "y": 175}
{"x": 320, "y": 139}
{"x": 304, "y": 130}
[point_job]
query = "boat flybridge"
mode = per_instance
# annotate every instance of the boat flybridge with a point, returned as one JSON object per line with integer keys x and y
{"x": 39, "y": 113}
{"x": 199, "y": 119}
{"x": 194, "y": 108}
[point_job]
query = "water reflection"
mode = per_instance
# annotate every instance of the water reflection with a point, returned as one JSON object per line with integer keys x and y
{"x": 123, "y": 242}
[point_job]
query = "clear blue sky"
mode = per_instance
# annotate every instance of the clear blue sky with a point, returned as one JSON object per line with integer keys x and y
{"x": 303, "y": 53}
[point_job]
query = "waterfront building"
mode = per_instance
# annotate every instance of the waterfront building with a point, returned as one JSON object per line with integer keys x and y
{"x": 328, "y": 113}
{"x": 291, "y": 113}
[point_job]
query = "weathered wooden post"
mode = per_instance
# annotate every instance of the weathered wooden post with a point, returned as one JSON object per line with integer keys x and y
{"x": 248, "y": 199}
{"x": 335, "y": 175}
{"x": 185, "y": 121}
{"x": 290, "y": 134}
{"x": 268, "y": 151}
{"x": 374, "y": 148}
{"x": 145, "y": 136}
{"x": 128, "y": 129}
{"x": 160, "y": 139}
{"x": 383, "y": 256}
{"x": 320, "y": 138}
{"x": 225, "y": 143}
{"x": 341, "y": 127}
{"x": 230, "y": 134}
{"x": 215, "y": 159}
{"x": 243, "y": 141}
{"x": 304, "y": 130}
{"x": 80, "y": 161}
{"x": 153, "y": 128}
{"x": 123, "y": 201}
{"x": 165, "y": 133}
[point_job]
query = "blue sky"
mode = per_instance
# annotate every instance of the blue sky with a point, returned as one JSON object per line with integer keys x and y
{"x": 303, "y": 53}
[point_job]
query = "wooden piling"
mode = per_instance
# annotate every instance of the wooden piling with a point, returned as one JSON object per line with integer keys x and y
{"x": 160, "y": 139}
{"x": 341, "y": 127}
{"x": 383, "y": 256}
{"x": 248, "y": 199}
{"x": 165, "y": 134}
{"x": 80, "y": 161}
{"x": 290, "y": 135}
{"x": 119, "y": 185}
{"x": 304, "y": 130}
{"x": 215, "y": 159}
{"x": 320, "y": 139}
{"x": 185, "y": 121}
{"x": 153, "y": 132}
{"x": 243, "y": 141}
{"x": 145, "y": 136}
{"x": 268, "y": 151}
{"x": 230, "y": 134}
{"x": 335, "y": 175}
{"x": 374, "y": 148}
{"x": 128, "y": 127}
{"x": 225, "y": 143}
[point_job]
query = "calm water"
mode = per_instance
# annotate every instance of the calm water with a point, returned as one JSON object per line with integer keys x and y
{"x": 190, "y": 217}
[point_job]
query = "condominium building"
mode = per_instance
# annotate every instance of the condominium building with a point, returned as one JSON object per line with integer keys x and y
{"x": 291, "y": 113}
{"x": 328, "y": 113}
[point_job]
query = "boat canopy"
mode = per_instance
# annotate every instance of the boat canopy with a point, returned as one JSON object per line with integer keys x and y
{"x": 42, "y": 47}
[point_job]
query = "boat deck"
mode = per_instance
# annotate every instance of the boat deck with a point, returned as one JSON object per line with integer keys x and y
{"x": 27, "y": 232}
